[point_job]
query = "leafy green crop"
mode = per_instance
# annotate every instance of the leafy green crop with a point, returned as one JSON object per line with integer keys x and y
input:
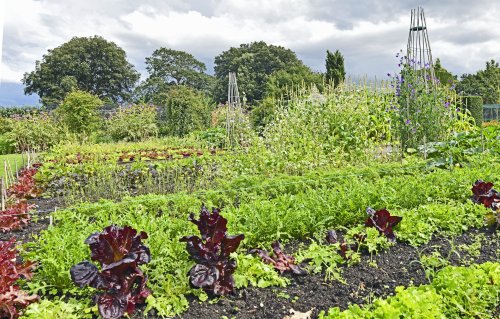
{"x": 456, "y": 292}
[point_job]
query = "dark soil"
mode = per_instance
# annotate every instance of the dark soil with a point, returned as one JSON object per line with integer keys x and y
{"x": 40, "y": 220}
{"x": 372, "y": 278}
{"x": 399, "y": 266}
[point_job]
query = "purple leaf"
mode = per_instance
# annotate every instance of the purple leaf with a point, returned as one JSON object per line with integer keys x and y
{"x": 382, "y": 221}
{"x": 279, "y": 260}
{"x": 203, "y": 276}
{"x": 119, "y": 251}
{"x": 112, "y": 306}
{"x": 86, "y": 274}
{"x": 214, "y": 267}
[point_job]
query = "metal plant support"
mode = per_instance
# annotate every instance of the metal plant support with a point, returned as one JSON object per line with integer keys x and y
{"x": 233, "y": 109}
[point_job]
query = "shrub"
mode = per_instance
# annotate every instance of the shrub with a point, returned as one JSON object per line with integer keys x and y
{"x": 79, "y": 112}
{"x": 184, "y": 110}
{"x": 134, "y": 123}
{"x": 316, "y": 129}
{"x": 35, "y": 132}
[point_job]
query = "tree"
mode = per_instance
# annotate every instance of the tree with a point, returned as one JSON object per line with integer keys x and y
{"x": 79, "y": 112}
{"x": 485, "y": 83}
{"x": 335, "y": 67}
{"x": 443, "y": 75}
{"x": 282, "y": 83}
{"x": 168, "y": 68}
{"x": 90, "y": 64}
{"x": 253, "y": 64}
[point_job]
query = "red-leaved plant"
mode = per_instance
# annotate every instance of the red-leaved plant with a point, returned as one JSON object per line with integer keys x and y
{"x": 119, "y": 251}
{"x": 382, "y": 221}
{"x": 279, "y": 259}
{"x": 12, "y": 299}
{"x": 483, "y": 193}
{"x": 25, "y": 186}
{"x": 15, "y": 217}
{"x": 214, "y": 268}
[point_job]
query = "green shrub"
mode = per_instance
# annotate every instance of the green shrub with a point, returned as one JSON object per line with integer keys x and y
{"x": 79, "y": 112}
{"x": 134, "y": 123}
{"x": 316, "y": 129}
{"x": 36, "y": 132}
{"x": 184, "y": 110}
{"x": 475, "y": 105}
{"x": 7, "y": 146}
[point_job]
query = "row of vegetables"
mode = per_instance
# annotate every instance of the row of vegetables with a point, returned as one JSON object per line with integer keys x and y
{"x": 119, "y": 251}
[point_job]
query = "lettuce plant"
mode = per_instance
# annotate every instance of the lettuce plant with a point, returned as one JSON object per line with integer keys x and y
{"x": 15, "y": 217}
{"x": 214, "y": 268}
{"x": 25, "y": 186}
{"x": 382, "y": 221}
{"x": 12, "y": 298}
{"x": 119, "y": 252}
{"x": 279, "y": 259}
{"x": 483, "y": 193}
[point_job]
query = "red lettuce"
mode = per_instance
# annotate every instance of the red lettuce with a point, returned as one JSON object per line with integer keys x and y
{"x": 485, "y": 194}
{"x": 214, "y": 268}
{"x": 12, "y": 298}
{"x": 25, "y": 186}
{"x": 15, "y": 217}
{"x": 382, "y": 221}
{"x": 279, "y": 260}
{"x": 119, "y": 252}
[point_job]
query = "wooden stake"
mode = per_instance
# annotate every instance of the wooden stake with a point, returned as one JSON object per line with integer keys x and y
{"x": 1, "y": 195}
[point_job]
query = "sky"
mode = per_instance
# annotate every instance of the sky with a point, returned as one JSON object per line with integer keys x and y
{"x": 463, "y": 34}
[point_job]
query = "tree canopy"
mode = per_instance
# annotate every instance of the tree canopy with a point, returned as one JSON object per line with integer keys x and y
{"x": 91, "y": 64}
{"x": 253, "y": 64}
{"x": 443, "y": 75}
{"x": 485, "y": 83}
{"x": 168, "y": 68}
{"x": 335, "y": 67}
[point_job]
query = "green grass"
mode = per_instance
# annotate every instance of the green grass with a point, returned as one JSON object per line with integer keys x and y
{"x": 11, "y": 159}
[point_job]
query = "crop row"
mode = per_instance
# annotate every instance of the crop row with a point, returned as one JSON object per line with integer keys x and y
{"x": 429, "y": 203}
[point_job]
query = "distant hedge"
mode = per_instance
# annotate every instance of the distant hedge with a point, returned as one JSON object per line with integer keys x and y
{"x": 475, "y": 105}
{"x": 8, "y": 111}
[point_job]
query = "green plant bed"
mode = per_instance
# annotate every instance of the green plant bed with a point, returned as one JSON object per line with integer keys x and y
{"x": 456, "y": 292}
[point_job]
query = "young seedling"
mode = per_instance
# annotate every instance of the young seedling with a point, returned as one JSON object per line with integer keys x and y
{"x": 383, "y": 222}
{"x": 279, "y": 260}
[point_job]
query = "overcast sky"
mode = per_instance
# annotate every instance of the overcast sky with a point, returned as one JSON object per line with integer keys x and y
{"x": 464, "y": 34}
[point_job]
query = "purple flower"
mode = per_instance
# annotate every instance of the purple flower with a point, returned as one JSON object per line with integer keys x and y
{"x": 447, "y": 104}
{"x": 388, "y": 74}
{"x": 408, "y": 122}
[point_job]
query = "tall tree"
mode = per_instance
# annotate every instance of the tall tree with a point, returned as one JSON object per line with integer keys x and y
{"x": 168, "y": 68}
{"x": 91, "y": 64}
{"x": 177, "y": 68}
{"x": 335, "y": 67}
{"x": 253, "y": 64}
{"x": 443, "y": 75}
{"x": 485, "y": 83}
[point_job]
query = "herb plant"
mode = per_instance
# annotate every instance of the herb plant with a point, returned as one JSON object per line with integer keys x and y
{"x": 119, "y": 252}
{"x": 214, "y": 267}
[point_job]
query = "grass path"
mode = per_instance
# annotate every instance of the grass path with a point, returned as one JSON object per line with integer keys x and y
{"x": 11, "y": 159}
